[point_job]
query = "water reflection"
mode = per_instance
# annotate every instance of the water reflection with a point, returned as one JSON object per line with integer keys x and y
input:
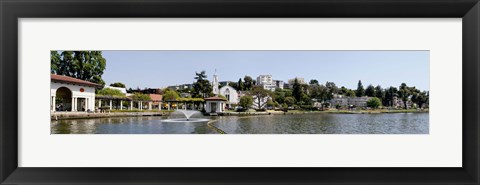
{"x": 395, "y": 123}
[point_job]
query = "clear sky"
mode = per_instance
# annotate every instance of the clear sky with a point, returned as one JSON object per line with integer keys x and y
{"x": 156, "y": 69}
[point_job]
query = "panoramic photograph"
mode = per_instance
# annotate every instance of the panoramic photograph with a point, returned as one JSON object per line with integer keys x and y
{"x": 239, "y": 92}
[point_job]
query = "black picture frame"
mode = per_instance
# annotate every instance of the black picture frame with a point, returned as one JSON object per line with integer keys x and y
{"x": 12, "y": 10}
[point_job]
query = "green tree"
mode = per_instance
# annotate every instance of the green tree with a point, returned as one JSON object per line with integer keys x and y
{"x": 118, "y": 84}
{"x": 259, "y": 94}
{"x": 390, "y": 94}
{"x": 279, "y": 95}
{"x": 246, "y": 102}
{"x": 404, "y": 93}
{"x": 297, "y": 90}
{"x": 241, "y": 85}
{"x": 248, "y": 82}
{"x": 313, "y": 82}
{"x": 374, "y": 102}
{"x": 202, "y": 87}
{"x": 270, "y": 103}
{"x": 379, "y": 93}
{"x": 55, "y": 62}
{"x": 350, "y": 93}
{"x": 234, "y": 85}
{"x": 332, "y": 89}
{"x": 140, "y": 96}
{"x": 290, "y": 101}
{"x": 370, "y": 91}
{"x": 84, "y": 65}
{"x": 360, "y": 90}
{"x": 170, "y": 95}
{"x": 110, "y": 92}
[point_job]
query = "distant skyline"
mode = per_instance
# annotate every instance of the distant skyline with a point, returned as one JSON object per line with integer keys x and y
{"x": 159, "y": 69}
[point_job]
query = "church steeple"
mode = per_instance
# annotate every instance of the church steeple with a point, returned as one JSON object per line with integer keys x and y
{"x": 215, "y": 84}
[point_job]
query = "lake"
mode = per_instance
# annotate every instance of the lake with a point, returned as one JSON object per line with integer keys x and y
{"x": 316, "y": 123}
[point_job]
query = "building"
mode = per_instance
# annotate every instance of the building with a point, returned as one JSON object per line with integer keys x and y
{"x": 71, "y": 94}
{"x": 214, "y": 105}
{"x": 344, "y": 101}
{"x": 264, "y": 79}
{"x": 266, "y": 82}
{"x": 300, "y": 81}
{"x": 231, "y": 94}
{"x": 145, "y": 91}
{"x": 225, "y": 83}
{"x": 279, "y": 83}
{"x": 215, "y": 85}
{"x": 181, "y": 87}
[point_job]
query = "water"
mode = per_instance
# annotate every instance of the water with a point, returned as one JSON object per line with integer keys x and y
{"x": 393, "y": 123}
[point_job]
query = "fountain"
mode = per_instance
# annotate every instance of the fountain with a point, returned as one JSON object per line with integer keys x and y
{"x": 186, "y": 117}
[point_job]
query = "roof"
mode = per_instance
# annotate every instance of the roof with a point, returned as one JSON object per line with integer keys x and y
{"x": 214, "y": 99}
{"x": 71, "y": 80}
{"x": 156, "y": 97}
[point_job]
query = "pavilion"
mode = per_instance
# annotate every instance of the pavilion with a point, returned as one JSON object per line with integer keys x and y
{"x": 71, "y": 94}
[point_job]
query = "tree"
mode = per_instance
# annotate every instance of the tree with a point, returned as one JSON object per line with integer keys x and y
{"x": 202, "y": 87}
{"x": 350, "y": 93}
{"x": 313, "y": 82}
{"x": 248, "y": 82}
{"x": 343, "y": 90}
{"x": 55, "y": 62}
{"x": 110, "y": 92}
{"x": 278, "y": 95}
{"x": 290, "y": 101}
{"x": 332, "y": 89}
{"x": 246, "y": 102}
{"x": 420, "y": 98}
{"x": 118, "y": 84}
{"x": 360, "y": 90}
{"x": 379, "y": 93}
{"x": 140, "y": 96}
{"x": 370, "y": 91}
{"x": 170, "y": 95}
{"x": 297, "y": 90}
{"x": 259, "y": 94}
{"x": 84, "y": 65}
{"x": 404, "y": 93}
{"x": 234, "y": 85}
{"x": 374, "y": 102}
{"x": 241, "y": 85}
{"x": 390, "y": 93}
{"x": 270, "y": 103}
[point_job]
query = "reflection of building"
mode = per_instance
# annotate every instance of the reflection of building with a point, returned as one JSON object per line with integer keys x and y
{"x": 230, "y": 94}
{"x": 214, "y": 105}
{"x": 71, "y": 94}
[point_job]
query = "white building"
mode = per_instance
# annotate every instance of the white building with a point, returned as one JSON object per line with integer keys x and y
{"x": 71, "y": 94}
{"x": 231, "y": 94}
{"x": 344, "y": 101}
{"x": 214, "y": 105}
{"x": 266, "y": 82}
{"x": 215, "y": 85}
{"x": 279, "y": 83}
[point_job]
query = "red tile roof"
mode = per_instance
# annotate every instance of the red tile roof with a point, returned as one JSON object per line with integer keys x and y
{"x": 156, "y": 97}
{"x": 71, "y": 80}
{"x": 214, "y": 99}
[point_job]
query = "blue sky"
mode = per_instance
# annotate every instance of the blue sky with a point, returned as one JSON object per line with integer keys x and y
{"x": 163, "y": 68}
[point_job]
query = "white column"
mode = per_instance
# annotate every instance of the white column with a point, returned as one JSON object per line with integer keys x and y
{"x": 99, "y": 103}
{"x": 168, "y": 106}
{"x": 140, "y": 105}
{"x": 131, "y": 105}
{"x": 86, "y": 104}
{"x": 149, "y": 105}
{"x": 110, "y": 104}
{"x": 54, "y": 107}
{"x": 121, "y": 104}
{"x": 178, "y": 105}
{"x": 160, "y": 105}
{"x": 73, "y": 104}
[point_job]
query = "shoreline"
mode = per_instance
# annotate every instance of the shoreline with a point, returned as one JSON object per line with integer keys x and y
{"x": 85, "y": 115}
